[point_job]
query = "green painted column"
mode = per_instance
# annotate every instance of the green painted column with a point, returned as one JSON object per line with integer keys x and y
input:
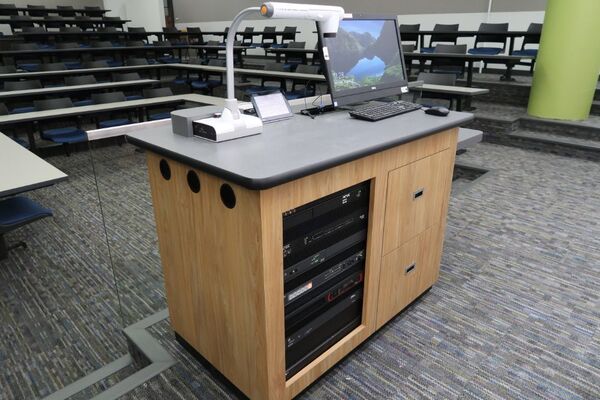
{"x": 568, "y": 62}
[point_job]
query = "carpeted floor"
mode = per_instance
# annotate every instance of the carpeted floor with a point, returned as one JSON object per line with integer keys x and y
{"x": 515, "y": 314}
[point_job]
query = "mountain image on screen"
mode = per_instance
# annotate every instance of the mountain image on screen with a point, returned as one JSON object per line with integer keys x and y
{"x": 365, "y": 53}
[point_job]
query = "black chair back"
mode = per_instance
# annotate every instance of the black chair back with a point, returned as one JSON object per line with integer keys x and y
{"x": 136, "y": 61}
{"x": 408, "y": 48}
{"x": 75, "y": 29}
{"x": 67, "y": 45}
{"x": 53, "y": 104}
{"x": 103, "y": 43}
{"x": 66, "y": 11}
{"x": 269, "y": 37}
{"x": 307, "y": 69}
{"x": 108, "y": 29}
{"x": 410, "y": 33}
{"x": 54, "y": 21}
{"x": 437, "y": 79}
{"x": 8, "y": 9}
{"x": 53, "y": 67}
{"x": 449, "y": 65}
{"x": 37, "y": 11}
{"x": 25, "y": 46}
{"x": 128, "y": 76}
{"x": 111, "y": 97}
{"x": 34, "y": 29}
{"x": 95, "y": 64}
{"x": 3, "y": 109}
{"x": 7, "y": 69}
{"x": 444, "y": 37}
{"x": 247, "y": 36}
{"x": 22, "y": 85}
{"x": 535, "y": 30}
{"x": 93, "y": 11}
{"x": 289, "y": 33}
{"x": 195, "y": 35}
{"x": 157, "y": 92}
{"x": 486, "y": 34}
{"x": 84, "y": 22}
{"x": 80, "y": 80}
{"x": 136, "y": 29}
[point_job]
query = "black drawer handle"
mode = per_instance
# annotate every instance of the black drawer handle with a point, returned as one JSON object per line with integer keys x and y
{"x": 418, "y": 193}
{"x": 410, "y": 268}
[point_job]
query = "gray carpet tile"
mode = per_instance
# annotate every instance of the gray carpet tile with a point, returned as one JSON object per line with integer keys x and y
{"x": 516, "y": 311}
{"x": 58, "y": 300}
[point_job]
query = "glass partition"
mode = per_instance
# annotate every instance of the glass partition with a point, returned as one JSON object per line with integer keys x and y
{"x": 59, "y": 308}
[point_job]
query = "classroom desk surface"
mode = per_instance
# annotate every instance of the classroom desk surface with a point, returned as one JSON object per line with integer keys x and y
{"x": 21, "y": 170}
{"x": 54, "y": 10}
{"x": 107, "y": 107}
{"x": 459, "y": 90}
{"x": 294, "y": 148}
{"x": 67, "y": 20}
{"x": 114, "y": 49}
{"x": 75, "y": 88}
{"x": 508, "y": 60}
{"x": 182, "y": 67}
{"x": 511, "y": 35}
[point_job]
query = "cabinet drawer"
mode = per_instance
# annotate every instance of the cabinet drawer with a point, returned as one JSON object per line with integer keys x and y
{"x": 416, "y": 197}
{"x": 407, "y": 272}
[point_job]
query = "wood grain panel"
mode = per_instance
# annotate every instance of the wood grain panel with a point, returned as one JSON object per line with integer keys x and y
{"x": 415, "y": 198}
{"x": 213, "y": 269}
{"x": 406, "y": 273}
{"x": 224, "y": 267}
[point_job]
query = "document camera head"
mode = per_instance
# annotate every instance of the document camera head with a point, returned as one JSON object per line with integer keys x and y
{"x": 328, "y": 16}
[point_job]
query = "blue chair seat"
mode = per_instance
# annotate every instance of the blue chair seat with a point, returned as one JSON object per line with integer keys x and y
{"x": 169, "y": 60}
{"x": 18, "y": 211}
{"x": 298, "y": 94}
{"x": 84, "y": 102}
{"x": 22, "y": 142}
{"x": 526, "y": 52}
{"x": 113, "y": 122}
{"x": 160, "y": 115}
{"x": 114, "y": 63}
{"x": 278, "y": 46}
{"x": 488, "y": 51}
{"x": 73, "y": 64}
{"x": 20, "y": 110}
{"x": 427, "y": 49}
{"x": 134, "y": 97}
{"x": 291, "y": 65}
{"x": 69, "y": 134}
{"x": 29, "y": 67}
{"x": 203, "y": 85}
{"x": 258, "y": 89}
{"x": 180, "y": 80}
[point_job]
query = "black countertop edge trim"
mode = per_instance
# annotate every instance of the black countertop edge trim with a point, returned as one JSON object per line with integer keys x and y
{"x": 267, "y": 183}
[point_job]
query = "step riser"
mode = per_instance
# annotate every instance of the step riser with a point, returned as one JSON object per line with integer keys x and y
{"x": 493, "y": 126}
{"x": 505, "y": 93}
{"x": 543, "y": 146}
{"x": 558, "y": 128}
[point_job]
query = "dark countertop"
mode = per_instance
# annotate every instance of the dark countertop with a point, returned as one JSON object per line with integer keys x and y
{"x": 291, "y": 149}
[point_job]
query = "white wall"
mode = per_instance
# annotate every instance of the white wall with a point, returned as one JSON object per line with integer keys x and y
{"x": 149, "y": 14}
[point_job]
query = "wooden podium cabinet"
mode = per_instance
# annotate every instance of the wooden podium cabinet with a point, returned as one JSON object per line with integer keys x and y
{"x": 220, "y": 208}
{"x": 221, "y": 251}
